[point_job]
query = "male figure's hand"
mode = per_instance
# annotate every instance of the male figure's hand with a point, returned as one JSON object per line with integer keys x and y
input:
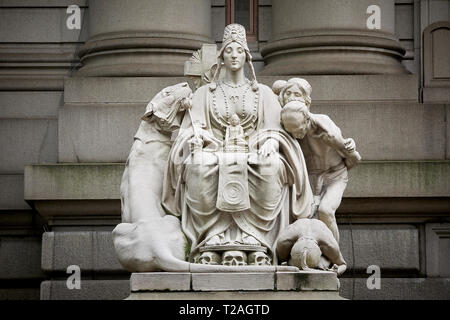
{"x": 339, "y": 269}
{"x": 350, "y": 145}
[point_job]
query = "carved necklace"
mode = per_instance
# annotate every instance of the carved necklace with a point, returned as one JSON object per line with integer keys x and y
{"x": 237, "y": 86}
{"x": 234, "y": 97}
{"x": 249, "y": 120}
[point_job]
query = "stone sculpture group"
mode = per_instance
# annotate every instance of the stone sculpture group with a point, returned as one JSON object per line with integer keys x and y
{"x": 233, "y": 176}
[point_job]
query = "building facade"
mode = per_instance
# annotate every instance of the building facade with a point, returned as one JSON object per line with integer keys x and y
{"x": 76, "y": 75}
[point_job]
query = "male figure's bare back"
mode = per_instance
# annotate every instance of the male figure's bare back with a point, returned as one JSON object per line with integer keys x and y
{"x": 320, "y": 147}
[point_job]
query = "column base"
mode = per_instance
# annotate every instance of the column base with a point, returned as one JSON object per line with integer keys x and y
{"x": 334, "y": 52}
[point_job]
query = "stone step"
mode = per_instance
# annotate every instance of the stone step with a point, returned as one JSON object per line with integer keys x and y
{"x": 237, "y": 295}
{"x": 378, "y": 191}
{"x": 90, "y": 290}
{"x": 325, "y": 88}
{"x": 103, "y": 132}
{"x": 351, "y": 288}
{"x": 392, "y": 247}
{"x": 370, "y": 179}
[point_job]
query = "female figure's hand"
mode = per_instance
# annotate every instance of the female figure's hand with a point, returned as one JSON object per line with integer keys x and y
{"x": 186, "y": 103}
{"x": 270, "y": 147}
{"x": 195, "y": 143}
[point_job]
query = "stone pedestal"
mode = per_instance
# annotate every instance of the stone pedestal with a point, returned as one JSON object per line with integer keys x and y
{"x": 300, "y": 285}
{"x": 80, "y": 204}
{"x": 331, "y": 37}
{"x": 143, "y": 38}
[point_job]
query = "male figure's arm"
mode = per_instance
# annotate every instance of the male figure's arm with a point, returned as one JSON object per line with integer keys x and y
{"x": 330, "y": 247}
{"x": 329, "y": 133}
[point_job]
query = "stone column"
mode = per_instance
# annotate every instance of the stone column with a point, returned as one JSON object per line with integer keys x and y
{"x": 331, "y": 37}
{"x": 143, "y": 38}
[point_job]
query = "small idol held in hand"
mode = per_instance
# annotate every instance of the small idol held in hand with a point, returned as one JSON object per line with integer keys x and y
{"x": 234, "y": 137}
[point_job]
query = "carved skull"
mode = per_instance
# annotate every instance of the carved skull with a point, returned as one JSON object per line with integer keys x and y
{"x": 234, "y": 258}
{"x": 208, "y": 257}
{"x": 259, "y": 259}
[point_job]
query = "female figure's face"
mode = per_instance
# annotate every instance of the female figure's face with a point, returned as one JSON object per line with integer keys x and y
{"x": 293, "y": 93}
{"x": 234, "y": 56}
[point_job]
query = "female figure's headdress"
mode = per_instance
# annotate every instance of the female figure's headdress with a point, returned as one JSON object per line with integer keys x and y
{"x": 234, "y": 33}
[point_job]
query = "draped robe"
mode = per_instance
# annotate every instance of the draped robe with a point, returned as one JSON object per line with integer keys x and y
{"x": 278, "y": 185}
